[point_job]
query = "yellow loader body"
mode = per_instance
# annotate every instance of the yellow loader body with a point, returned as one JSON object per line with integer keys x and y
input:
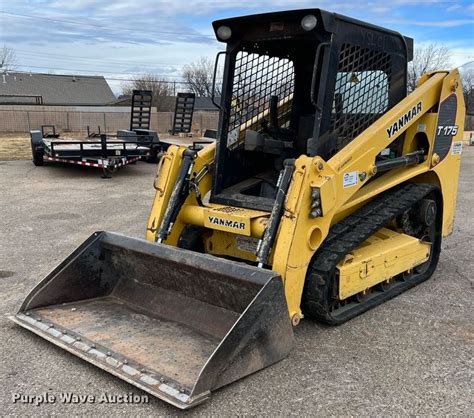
{"x": 299, "y": 236}
{"x": 327, "y": 192}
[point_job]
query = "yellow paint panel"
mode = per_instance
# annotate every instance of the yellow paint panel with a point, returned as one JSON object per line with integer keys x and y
{"x": 381, "y": 257}
{"x": 227, "y": 244}
{"x": 230, "y": 219}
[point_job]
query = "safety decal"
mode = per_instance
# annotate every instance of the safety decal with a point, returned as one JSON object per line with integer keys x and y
{"x": 457, "y": 148}
{"x": 350, "y": 179}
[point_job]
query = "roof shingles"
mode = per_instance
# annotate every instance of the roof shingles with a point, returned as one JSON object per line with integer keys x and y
{"x": 56, "y": 89}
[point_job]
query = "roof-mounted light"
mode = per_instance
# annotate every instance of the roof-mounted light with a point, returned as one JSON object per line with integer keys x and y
{"x": 224, "y": 33}
{"x": 309, "y": 22}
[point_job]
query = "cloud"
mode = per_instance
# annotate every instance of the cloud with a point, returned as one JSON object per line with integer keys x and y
{"x": 54, "y": 26}
{"x": 157, "y": 22}
{"x": 73, "y": 5}
{"x": 106, "y": 8}
{"x": 125, "y": 37}
{"x": 440, "y": 23}
{"x": 454, "y": 7}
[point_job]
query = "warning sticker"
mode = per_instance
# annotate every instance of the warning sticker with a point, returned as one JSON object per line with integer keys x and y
{"x": 457, "y": 148}
{"x": 233, "y": 137}
{"x": 248, "y": 244}
{"x": 350, "y": 179}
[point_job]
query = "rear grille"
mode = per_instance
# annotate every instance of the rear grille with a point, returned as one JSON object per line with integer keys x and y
{"x": 228, "y": 209}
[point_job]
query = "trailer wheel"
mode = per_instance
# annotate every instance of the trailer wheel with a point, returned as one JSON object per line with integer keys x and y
{"x": 152, "y": 158}
{"x": 155, "y": 155}
{"x": 106, "y": 173}
{"x": 38, "y": 158}
{"x": 37, "y": 151}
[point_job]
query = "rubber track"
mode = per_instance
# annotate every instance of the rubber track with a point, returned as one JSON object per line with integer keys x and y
{"x": 344, "y": 237}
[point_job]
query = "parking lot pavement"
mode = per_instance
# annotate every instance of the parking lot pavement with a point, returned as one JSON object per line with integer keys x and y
{"x": 411, "y": 355}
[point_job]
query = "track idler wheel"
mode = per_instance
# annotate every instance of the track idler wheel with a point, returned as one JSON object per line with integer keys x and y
{"x": 385, "y": 285}
{"x": 427, "y": 212}
{"x": 362, "y": 296}
{"x": 406, "y": 275}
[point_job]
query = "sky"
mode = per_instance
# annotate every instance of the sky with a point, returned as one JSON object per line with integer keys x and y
{"x": 123, "y": 38}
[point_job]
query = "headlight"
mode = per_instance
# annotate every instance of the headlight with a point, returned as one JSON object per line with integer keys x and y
{"x": 309, "y": 22}
{"x": 224, "y": 33}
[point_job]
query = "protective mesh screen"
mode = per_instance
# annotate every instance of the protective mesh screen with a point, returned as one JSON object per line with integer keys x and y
{"x": 256, "y": 79}
{"x": 362, "y": 91}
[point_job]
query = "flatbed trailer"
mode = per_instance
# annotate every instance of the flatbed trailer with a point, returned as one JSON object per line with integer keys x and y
{"x": 108, "y": 153}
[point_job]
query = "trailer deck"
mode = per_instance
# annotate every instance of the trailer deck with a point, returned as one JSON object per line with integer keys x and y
{"x": 108, "y": 153}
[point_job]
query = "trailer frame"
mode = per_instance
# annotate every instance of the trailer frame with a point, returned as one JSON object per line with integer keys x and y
{"x": 109, "y": 153}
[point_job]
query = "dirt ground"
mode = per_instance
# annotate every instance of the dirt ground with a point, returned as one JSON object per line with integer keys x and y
{"x": 16, "y": 146}
{"x": 410, "y": 356}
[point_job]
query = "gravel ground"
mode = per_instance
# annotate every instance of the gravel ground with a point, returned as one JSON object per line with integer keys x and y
{"x": 410, "y": 356}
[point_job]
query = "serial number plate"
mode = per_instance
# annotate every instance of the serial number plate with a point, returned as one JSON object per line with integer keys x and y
{"x": 248, "y": 244}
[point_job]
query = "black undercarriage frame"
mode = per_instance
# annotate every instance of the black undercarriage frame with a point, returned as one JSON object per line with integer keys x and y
{"x": 326, "y": 86}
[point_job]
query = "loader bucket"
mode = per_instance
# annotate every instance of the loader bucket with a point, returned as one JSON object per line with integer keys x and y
{"x": 172, "y": 322}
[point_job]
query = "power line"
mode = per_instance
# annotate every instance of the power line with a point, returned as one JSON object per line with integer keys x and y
{"x": 113, "y": 61}
{"x": 121, "y": 29}
{"x": 96, "y": 64}
{"x": 466, "y": 63}
{"x": 77, "y": 71}
{"x": 150, "y": 81}
{"x": 110, "y": 78}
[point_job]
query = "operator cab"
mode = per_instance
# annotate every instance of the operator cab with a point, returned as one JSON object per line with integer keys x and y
{"x": 298, "y": 82}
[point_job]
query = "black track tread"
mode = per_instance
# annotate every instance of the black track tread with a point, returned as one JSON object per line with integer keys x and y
{"x": 344, "y": 237}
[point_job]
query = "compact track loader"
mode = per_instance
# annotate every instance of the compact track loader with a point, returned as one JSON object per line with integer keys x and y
{"x": 327, "y": 192}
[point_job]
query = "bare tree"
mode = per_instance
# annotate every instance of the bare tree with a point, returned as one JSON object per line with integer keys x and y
{"x": 7, "y": 59}
{"x": 198, "y": 75}
{"x": 468, "y": 90}
{"x": 159, "y": 87}
{"x": 430, "y": 58}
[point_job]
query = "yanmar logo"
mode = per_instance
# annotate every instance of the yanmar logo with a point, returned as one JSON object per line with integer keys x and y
{"x": 226, "y": 222}
{"x": 404, "y": 120}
